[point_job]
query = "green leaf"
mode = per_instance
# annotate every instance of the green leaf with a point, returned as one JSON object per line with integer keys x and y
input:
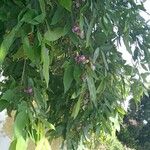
{"x": 19, "y": 54}
{"x": 21, "y": 144}
{"x": 68, "y": 77}
{"x": 29, "y": 16}
{"x": 42, "y": 6}
{"x": 48, "y": 124}
{"x": 77, "y": 106}
{"x": 67, "y": 4}
{"x": 127, "y": 44}
{"x": 105, "y": 61}
{"x": 92, "y": 89}
{"x": 76, "y": 109}
{"x": 20, "y": 123}
{"x": 8, "y": 95}
{"x": 101, "y": 87}
{"x": 45, "y": 61}
{"x": 77, "y": 73}
{"x": 57, "y": 15}
{"x": 96, "y": 54}
{"x": 55, "y": 34}
{"x": 7, "y": 42}
{"x": 3, "y": 105}
{"x": 89, "y": 31}
{"x": 28, "y": 50}
{"x": 38, "y": 98}
{"x": 13, "y": 145}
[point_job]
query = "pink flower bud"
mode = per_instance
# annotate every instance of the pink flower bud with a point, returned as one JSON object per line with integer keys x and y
{"x": 81, "y": 59}
{"x": 28, "y": 90}
{"x": 76, "y": 29}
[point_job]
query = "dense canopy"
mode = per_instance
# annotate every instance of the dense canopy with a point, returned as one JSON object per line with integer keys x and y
{"x": 64, "y": 75}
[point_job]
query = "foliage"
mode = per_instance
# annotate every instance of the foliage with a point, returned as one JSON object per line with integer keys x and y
{"x": 64, "y": 76}
{"x": 136, "y": 128}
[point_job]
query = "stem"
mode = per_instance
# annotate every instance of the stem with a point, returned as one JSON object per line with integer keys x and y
{"x": 23, "y": 72}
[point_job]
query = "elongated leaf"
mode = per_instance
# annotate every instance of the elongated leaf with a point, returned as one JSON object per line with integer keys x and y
{"x": 68, "y": 77}
{"x": 48, "y": 124}
{"x": 55, "y": 34}
{"x": 92, "y": 89}
{"x": 21, "y": 144}
{"x": 3, "y": 104}
{"x": 66, "y": 4}
{"x": 8, "y": 95}
{"x": 42, "y": 5}
{"x": 7, "y": 42}
{"x": 28, "y": 50}
{"x": 13, "y": 145}
{"x": 101, "y": 87}
{"x": 89, "y": 32}
{"x": 20, "y": 123}
{"x": 126, "y": 43}
{"x": 38, "y": 98}
{"x": 45, "y": 60}
{"x": 96, "y": 54}
{"x": 76, "y": 108}
{"x": 105, "y": 61}
{"x": 77, "y": 73}
{"x": 57, "y": 16}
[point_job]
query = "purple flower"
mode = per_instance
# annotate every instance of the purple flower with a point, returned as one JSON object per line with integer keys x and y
{"x": 28, "y": 90}
{"x": 81, "y": 59}
{"x": 76, "y": 29}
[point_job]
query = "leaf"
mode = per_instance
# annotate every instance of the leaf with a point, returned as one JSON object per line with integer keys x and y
{"x": 101, "y": 87}
{"x": 48, "y": 124}
{"x": 7, "y": 42}
{"x": 92, "y": 89}
{"x": 21, "y": 144}
{"x": 68, "y": 77}
{"x": 42, "y": 6}
{"x": 67, "y": 4}
{"x": 19, "y": 54}
{"x": 105, "y": 61}
{"x": 28, "y": 50}
{"x": 77, "y": 73}
{"x": 76, "y": 109}
{"x": 8, "y": 95}
{"x": 127, "y": 44}
{"x": 77, "y": 106}
{"x": 13, "y": 145}
{"x": 20, "y": 123}
{"x": 29, "y": 16}
{"x": 3, "y": 105}
{"x": 89, "y": 32}
{"x": 96, "y": 54}
{"x": 55, "y": 34}
{"x": 121, "y": 110}
{"x": 38, "y": 98}
{"x": 45, "y": 60}
{"x": 57, "y": 15}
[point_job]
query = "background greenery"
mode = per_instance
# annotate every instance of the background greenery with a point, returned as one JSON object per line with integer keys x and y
{"x": 64, "y": 75}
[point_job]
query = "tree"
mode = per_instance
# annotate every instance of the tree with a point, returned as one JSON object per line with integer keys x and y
{"x": 136, "y": 127}
{"x": 64, "y": 75}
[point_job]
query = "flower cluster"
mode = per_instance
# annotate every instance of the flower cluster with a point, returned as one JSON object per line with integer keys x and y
{"x": 76, "y": 29}
{"x": 81, "y": 59}
{"x": 28, "y": 90}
